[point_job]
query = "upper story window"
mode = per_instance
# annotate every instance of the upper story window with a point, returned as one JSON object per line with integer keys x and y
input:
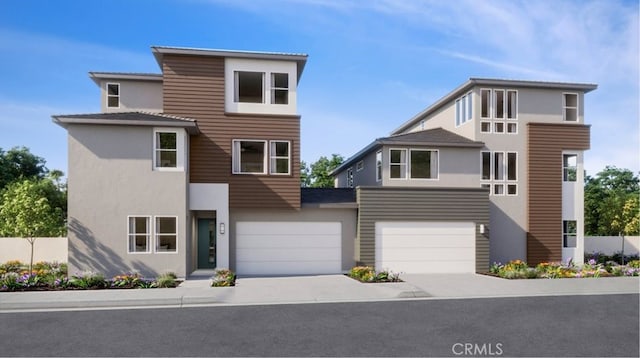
{"x": 280, "y": 157}
{"x": 359, "y": 165}
{"x": 569, "y": 167}
{"x": 379, "y": 166}
{"x": 570, "y": 107}
{"x": 250, "y": 157}
{"x": 249, "y": 87}
{"x": 350, "y": 177}
{"x": 168, "y": 149}
{"x": 502, "y": 170}
{"x": 498, "y": 107}
{"x": 113, "y": 95}
{"x": 280, "y": 88}
{"x": 464, "y": 109}
{"x": 421, "y": 164}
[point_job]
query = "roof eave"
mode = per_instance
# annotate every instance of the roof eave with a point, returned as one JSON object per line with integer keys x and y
{"x": 99, "y": 76}
{"x": 363, "y": 152}
{"x": 191, "y": 127}
{"x": 434, "y": 144}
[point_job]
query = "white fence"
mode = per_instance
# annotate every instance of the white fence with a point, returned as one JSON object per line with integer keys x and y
{"x": 609, "y": 245}
{"x": 44, "y": 249}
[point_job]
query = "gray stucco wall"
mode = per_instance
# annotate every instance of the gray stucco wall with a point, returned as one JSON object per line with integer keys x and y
{"x": 421, "y": 204}
{"x": 134, "y": 96}
{"x": 347, "y": 217}
{"x": 111, "y": 176}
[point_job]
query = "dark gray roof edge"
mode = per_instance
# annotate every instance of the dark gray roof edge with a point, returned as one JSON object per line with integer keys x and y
{"x": 360, "y": 154}
{"x": 435, "y": 144}
{"x": 163, "y": 121}
{"x": 476, "y": 81}
{"x": 97, "y": 76}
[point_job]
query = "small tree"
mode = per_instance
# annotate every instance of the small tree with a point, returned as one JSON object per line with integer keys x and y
{"x": 320, "y": 170}
{"x": 25, "y": 212}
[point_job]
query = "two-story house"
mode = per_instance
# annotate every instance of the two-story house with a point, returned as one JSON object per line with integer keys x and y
{"x": 197, "y": 167}
{"x": 522, "y": 142}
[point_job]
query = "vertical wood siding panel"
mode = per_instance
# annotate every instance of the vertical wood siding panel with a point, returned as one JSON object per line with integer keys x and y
{"x": 545, "y": 145}
{"x": 194, "y": 87}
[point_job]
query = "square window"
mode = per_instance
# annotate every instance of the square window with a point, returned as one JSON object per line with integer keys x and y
{"x": 166, "y": 234}
{"x": 249, "y": 157}
{"x": 424, "y": 164}
{"x": 280, "y": 157}
{"x": 166, "y": 150}
{"x": 249, "y": 87}
{"x": 139, "y": 234}
{"x": 485, "y": 127}
{"x": 512, "y": 189}
{"x": 398, "y": 163}
{"x": 498, "y": 189}
{"x": 279, "y": 88}
{"x": 512, "y": 128}
{"x": 498, "y": 127}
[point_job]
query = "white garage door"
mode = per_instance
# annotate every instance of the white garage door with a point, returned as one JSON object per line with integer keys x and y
{"x": 282, "y": 248}
{"x": 426, "y": 247}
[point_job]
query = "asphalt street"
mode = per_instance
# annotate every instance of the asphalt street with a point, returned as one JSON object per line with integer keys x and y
{"x": 599, "y": 325}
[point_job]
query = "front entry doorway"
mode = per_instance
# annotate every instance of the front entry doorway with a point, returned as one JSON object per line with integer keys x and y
{"x": 206, "y": 243}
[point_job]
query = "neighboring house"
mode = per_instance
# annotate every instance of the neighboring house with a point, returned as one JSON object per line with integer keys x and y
{"x": 522, "y": 142}
{"x": 197, "y": 167}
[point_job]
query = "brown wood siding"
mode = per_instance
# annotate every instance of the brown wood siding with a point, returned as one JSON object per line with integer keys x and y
{"x": 194, "y": 87}
{"x": 421, "y": 204}
{"x": 545, "y": 145}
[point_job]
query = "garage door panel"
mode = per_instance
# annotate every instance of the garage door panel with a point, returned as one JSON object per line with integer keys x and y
{"x": 425, "y": 247}
{"x": 284, "y": 248}
{"x": 287, "y": 241}
{"x": 285, "y": 254}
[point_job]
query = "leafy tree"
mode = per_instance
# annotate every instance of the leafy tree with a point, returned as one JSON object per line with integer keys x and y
{"x": 320, "y": 170}
{"x": 305, "y": 175}
{"x": 19, "y": 163}
{"x": 609, "y": 202}
{"x": 26, "y": 212}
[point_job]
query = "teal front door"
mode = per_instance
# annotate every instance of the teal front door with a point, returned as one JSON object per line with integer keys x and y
{"x": 206, "y": 243}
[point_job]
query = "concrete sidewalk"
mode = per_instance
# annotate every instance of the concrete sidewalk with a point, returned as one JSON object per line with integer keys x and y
{"x": 312, "y": 289}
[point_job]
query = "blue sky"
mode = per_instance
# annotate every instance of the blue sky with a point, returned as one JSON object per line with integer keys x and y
{"x": 372, "y": 64}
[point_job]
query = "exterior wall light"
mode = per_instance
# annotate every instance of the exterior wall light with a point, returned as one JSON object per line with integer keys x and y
{"x": 221, "y": 228}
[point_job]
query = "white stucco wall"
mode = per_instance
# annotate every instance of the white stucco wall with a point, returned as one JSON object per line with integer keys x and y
{"x": 609, "y": 245}
{"x": 45, "y": 249}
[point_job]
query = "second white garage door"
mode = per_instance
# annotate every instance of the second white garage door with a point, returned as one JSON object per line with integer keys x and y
{"x": 288, "y": 248}
{"x": 425, "y": 247}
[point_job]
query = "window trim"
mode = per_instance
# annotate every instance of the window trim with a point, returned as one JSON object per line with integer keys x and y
{"x": 350, "y": 177}
{"x": 490, "y": 165}
{"x": 564, "y": 168}
{"x": 490, "y": 109}
{"x": 118, "y": 96}
{"x": 490, "y": 127}
{"x": 505, "y": 182}
{"x": 565, "y": 107}
{"x": 424, "y": 150}
{"x": 180, "y": 145}
{"x": 511, "y": 123}
{"x": 236, "y": 86}
{"x": 236, "y": 157}
{"x": 406, "y": 164}
{"x": 379, "y": 166}
{"x": 273, "y": 88}
{"x": 464, "y": 109}
{"x": 156, "y": 234}
{"x": 149, "y": 235}
{"x": 272, "y": 157}
{"x": 566, "y": 234}
{"x": 506, "y": 105}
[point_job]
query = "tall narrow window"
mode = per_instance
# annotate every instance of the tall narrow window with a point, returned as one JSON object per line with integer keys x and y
{"x": 249, "y": 157}
{"x": 499, "y": 104}
{"x": 113, "y": 95}
{"x": 249, "y": 87}
{"x": 512, "y": 104}
{"x": 485, "y": 103}
{"x": 350, "y": 177}
{"x": 486, "y": 165}
{"x": 498, "y": 166}
{"x": 569, "y": 167}
{"x": 279, "y": 88}
{"x": 166, "y": 234}
{"x": 512, "y": 166}
{"x": 166, "y": 150}
{"x": 570, "y": 107}
{"x": 569, "y": 233}
{"x": 469, "y": 111}
{"x": 139, "y": 232}
{"x": 458, "y": 112}
{"x": 424, "y": 164}
{"x": 379, "y": 166}
{"x": 398, "y": 164}
{"x": 280, "y": 157}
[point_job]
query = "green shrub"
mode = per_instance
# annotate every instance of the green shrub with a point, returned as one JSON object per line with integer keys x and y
{"x": 223, "y": 278}
{"x": 129, "y": 281}
{"x": 368, "y": 274}
{"x": 166, "y": 280}
{"x": 88, "y": 280}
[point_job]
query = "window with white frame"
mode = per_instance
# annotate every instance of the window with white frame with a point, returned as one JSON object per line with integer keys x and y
{"x": 570, "y": 107}
{"x": 279, "y": 88}
{"x": 166, "y": 149}
{"x": 569, "y": 233}
{"x": 499, "y": 170}
{"x": 113, "y": 95}
{"x": 511, "y": 104}
{"x": 569, "y": 167}
{"x": 485, "y": 103}
{"x": 485, "y": 127}
{"x": 501, "y": 107}
{"x": 249, "y": 87}
{"x": 139, "y": 234}
{"x": 512, "y": 128}
{"x": 498, "y": 104}
{"x": 350, "y": 177}
{"x": 379, "y": 166}
{"x": 398, "y": 163}
{"x": 166, "y": 233}
{"x": 249, "y": 156}
{"x": 280, "y": 157}
{"x": 423, "y": 164}
{"x": 464, "y": 109}
{"x": 359, "y": 165}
